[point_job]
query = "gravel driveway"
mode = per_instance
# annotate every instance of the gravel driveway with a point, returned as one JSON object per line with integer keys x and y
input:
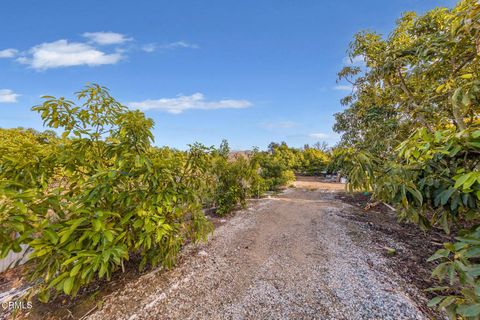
{"x": 287, "y": 257}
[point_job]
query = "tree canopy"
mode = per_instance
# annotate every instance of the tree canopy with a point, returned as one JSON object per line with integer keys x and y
{"x": 411, "y": 134}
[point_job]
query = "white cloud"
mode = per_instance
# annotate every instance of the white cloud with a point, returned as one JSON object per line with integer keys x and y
{"x": 62, "y": 53}
{"x": 319, "y": 135}
{"x": 151, "y": 47}
{"x": 8, "y": 96}
{"x": 343, "y": 88}
{"x": 178, "y": 44}
{"x": 8, "y": 53}
{"x": 279, "y": 125}
{"x": 106, "y": 38}
{"x": 195, "y": 101}
{"x": 355, "y": 61}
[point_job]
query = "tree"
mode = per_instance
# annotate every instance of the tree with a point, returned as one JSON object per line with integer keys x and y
{"x": 86, "y": 201}
{"x": 422, "y": 75}
{"x": 411, "y": 133}
{"x": 322, "y": 146}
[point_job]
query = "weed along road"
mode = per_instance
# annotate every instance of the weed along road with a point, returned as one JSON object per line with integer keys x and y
{"x": 292, "y": 256}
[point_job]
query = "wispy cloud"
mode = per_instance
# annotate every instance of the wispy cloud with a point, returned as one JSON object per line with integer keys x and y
{"x": 151, "y": 47}
{"x": 106, "y": 38}
{"x": 62, "y": 53}
{"x": 89, "y": 52}
{"x": 178, "y": 44}
{"x": 8, "y": 53}
{"x": 319, "y": 135}
{"x": 8, "y": 96}
{"x": 343, "y": 88}
{"x": 195, "y": 101}
{"x": 279, "y": 125}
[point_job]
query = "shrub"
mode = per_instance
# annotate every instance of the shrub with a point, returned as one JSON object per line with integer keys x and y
{"x": 86, "y": 201}
{"x": 274, "y": 171}
{"x": 236, "y": 178}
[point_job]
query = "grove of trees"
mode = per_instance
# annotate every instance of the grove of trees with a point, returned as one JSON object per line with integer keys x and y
{"x": 97, "y": 192}
{"x": 100, "y": 192}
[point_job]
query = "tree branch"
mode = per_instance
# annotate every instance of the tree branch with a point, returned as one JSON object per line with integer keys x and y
{"x": 407, "y": 91}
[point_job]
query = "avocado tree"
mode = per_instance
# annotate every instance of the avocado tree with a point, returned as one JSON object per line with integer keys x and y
{"x": 411, "y": 133}
{"x": 87, "y": 201}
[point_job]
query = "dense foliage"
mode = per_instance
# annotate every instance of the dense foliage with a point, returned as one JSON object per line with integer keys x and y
{"x": 411, "y": 135}
{"x": 307, "y": 161}
{"x": 99, "y": 193}
{"x": 88, "y": 200}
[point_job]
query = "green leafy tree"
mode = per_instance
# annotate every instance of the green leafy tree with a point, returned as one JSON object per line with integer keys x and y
{"x": 88, "y": 200}
{"x": 410, "y": 133}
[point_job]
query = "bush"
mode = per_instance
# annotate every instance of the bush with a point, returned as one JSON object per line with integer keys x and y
{"x": 312, "y": 162}
{"x": 88, "y": 200}
{"x": 233, "y": 178}
{"x": 275, "y": 173}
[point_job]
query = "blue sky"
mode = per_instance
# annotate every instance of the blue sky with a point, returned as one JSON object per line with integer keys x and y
{"x": 250, "y": 71}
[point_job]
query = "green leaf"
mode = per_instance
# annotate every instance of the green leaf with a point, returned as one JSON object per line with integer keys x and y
{"x": 137, "y": 224}
{"x": 441, "y": 253}
{"x": 108, "y": 235}
{"x": 472, "y": 252}
{"x": 440, "y": 88}
{"x": 447, "y": 301}
{"x": 417, "y": 194}
{"x": 445, "y": 195}
{"x": 97, "y": 225}
{"x": 470, "y": 181}
{"x": 51, "y": 235}
{"x": 466, "y": 76}
{"x": 474, "y": 271}
{"x": 74, "y": 225}
{"x": 75, "y": 270}
{"x": 21, "y": 206}
{"x": 68, "y": 285}
{"x": 57, "y": 280}
{"x": 433, "y": 302}
{"x": 469, "y": 310}
{"x": 461, "y": 180}
{"x": 70, "y": 260}
{"x": 440, "y": 271}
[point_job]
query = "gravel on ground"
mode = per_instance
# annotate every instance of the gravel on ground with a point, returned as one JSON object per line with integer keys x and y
{"x": 291, "y": 256}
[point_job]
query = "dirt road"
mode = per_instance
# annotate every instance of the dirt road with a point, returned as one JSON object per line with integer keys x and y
{"x": 293, "y": 256}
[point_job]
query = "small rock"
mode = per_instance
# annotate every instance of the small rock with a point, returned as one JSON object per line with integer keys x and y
{"x": 156, "y": 300}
